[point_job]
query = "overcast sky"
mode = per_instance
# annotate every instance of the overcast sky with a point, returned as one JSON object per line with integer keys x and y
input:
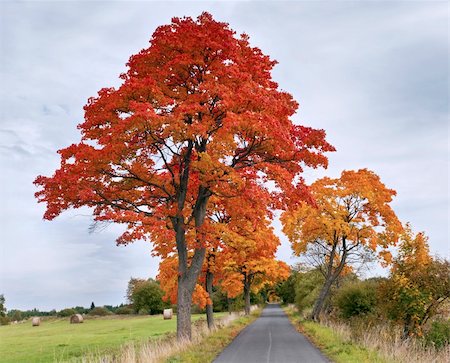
{"x": 374, "y": 75}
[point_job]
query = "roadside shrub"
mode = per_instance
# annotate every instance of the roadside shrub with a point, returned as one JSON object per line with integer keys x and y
{"x": 307, "y": 288}
{"x": 418, "y": 286}
{"x": 356, "y": 299}
{"x": 438, "y": 335}
{"x": 99, "y": 311}
{"x": 66, "y": 312}
{"x": 237, "y": 304}
{"x": 124, "y": 310}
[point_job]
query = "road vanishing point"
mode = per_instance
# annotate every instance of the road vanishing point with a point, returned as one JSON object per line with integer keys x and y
{"x": 271, "y": 339}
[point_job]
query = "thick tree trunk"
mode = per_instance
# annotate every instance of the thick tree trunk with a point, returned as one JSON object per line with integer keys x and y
{"x": 188, "y": 274}
{"x": 247, "y": 295}
{"x": 209, "y": 307}
{"x": 186, "y": 285}
{"x": 184, "y": 301}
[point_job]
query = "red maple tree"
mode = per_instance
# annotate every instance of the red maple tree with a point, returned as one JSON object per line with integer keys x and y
{"x": 196, "y": 115}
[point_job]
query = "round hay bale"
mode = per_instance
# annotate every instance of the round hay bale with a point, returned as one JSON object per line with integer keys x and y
{"x": 76, "y": 319}
{"x": 167, "y": 313}
{"x": 36, "y": 321}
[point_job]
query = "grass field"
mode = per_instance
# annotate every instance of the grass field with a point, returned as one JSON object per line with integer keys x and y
{"x": 57, "y": 340}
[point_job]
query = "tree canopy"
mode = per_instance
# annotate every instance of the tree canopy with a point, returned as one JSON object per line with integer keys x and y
{"x": 351, "y": 217}
{"x": 197, "y": 115}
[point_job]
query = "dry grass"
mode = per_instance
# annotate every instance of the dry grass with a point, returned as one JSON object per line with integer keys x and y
{"x": 379, "y": 343}
{"x": 156, "y": 351}
{"x": 387, "y": 341}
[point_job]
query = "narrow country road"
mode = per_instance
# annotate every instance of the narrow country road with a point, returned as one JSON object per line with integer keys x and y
{"x": 271, "y": 338}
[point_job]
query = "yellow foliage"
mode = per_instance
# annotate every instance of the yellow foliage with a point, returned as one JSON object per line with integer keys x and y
{"x": 350, "y": 212}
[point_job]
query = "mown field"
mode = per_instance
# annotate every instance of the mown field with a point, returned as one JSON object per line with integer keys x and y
{"x": 57, "y": 340}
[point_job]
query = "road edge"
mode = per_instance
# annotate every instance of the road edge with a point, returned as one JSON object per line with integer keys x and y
{"x": 209, "y": 348}
{"x": 290, "y": 312}
{"x": 328, "y": 348}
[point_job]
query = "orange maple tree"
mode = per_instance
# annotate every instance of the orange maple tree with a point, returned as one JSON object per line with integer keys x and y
{"x": 196, "y": 115}
{"x": 237, "y": 270}
{"x": 236, "y": 223}
{"x": 251, "y": 274}
{"x": 247, "y": 261}
{"x": 240, "y": 250}
{"x": 352, "y": 216}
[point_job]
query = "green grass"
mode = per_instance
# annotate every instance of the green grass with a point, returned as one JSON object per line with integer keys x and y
{"x": 57, "y": 340}
{"x": 334, "y": 346}
{"x": 209, "y": 347}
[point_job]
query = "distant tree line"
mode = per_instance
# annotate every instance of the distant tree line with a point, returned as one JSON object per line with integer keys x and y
{"x": 144, "y": 297}
{"x": 147, "y": 297}
{"x": 7, "y": 316}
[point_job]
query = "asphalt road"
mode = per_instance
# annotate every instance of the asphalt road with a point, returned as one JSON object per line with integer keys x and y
{"x": 271, "y": 339}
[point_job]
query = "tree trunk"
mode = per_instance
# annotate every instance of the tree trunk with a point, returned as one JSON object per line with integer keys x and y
{"x": 184, "y": 302}
{"x": 209, "y": 287}
{"x": 247, "y": 295}
{"x": 186, "y": 285}
{"x": 188, "y": 273}
{"x": 209, "y": 307}
{"x": 330, "y": 278}
{"x": 320, "y": 302}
